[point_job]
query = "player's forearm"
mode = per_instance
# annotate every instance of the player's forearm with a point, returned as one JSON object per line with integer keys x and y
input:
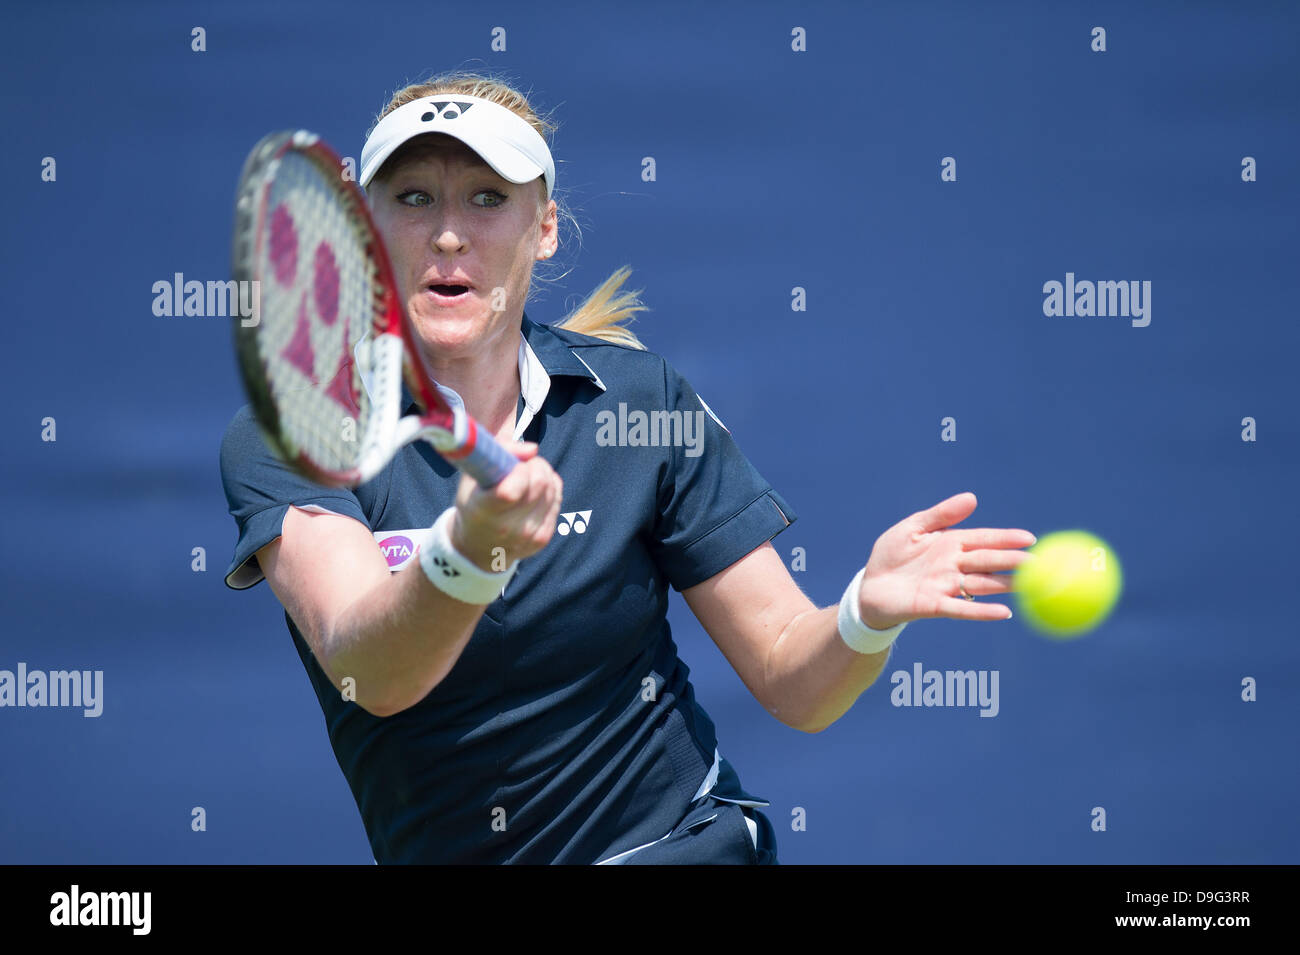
{"x": 813, "y": 677}
{"x": 398, "y": 641}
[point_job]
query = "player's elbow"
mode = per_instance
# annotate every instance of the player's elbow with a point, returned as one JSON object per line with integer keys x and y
{"x": 378, "y": 692}
{"x": 381, "y": 705}
{"x": 379, "y": 710}
{"x": 809, "y": 719}
{"x": 798, "y": 721}
{"x": 350, "y": 678}
{"x": 375, "y": 706}
{"x": 810, "y": 726}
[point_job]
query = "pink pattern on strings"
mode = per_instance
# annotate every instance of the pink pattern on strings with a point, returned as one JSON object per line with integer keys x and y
{"x": 284, "y": 245}
{"x": 326, "y": 284}
{"x": 299, "y": 352}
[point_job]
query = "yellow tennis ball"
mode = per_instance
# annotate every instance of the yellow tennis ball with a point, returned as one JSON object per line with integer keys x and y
{"x": 1069, "y": 585}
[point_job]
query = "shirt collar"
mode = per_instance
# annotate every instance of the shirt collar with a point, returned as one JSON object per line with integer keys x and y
{"x": 554, "y": 355}
{"x": 542, "y": 356}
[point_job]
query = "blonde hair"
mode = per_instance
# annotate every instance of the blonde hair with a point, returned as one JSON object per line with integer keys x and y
{"x": 607, "y": 310}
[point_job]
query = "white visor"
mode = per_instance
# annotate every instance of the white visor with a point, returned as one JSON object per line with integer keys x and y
{"x": 503, "y": 139}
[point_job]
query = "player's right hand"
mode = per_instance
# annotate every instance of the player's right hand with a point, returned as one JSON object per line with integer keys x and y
{"x": 496, "y": 526}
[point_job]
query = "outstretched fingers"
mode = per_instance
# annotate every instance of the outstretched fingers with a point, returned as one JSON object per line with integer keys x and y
{"x": 961, "y": 609}
{"x": 944, "y": 514}
{"x": 994, "y": 538}
{"x": 990, "y": 561}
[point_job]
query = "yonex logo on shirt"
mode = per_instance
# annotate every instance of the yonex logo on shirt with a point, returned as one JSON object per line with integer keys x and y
{"x": 575, "y": 521}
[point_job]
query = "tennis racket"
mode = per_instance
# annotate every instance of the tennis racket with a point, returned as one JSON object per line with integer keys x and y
{"x": 324, "y": 356}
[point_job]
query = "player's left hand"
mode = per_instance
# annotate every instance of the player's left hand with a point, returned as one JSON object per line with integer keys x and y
{"x": 918, "y": 567}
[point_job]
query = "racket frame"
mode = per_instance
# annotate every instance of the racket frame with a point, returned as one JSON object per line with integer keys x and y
{"x": 390, "y": 354}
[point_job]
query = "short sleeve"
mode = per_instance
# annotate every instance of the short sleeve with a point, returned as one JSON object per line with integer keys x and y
{"x": 260, "y": 488}
{"x": 714, "y": 506}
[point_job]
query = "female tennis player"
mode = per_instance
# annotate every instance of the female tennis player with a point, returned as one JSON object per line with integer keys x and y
{"x": 495, "y": 667}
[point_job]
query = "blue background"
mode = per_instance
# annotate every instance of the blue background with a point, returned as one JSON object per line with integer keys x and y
{"x": 776, "y": 169}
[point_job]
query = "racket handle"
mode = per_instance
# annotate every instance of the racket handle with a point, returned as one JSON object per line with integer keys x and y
{"x": 489, "y": 462}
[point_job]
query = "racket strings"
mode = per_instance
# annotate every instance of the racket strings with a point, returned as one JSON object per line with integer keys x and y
{"x": 319, "y": 289}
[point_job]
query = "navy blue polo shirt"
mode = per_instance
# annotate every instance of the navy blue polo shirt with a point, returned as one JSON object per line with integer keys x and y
{"x": 567, "y": 731}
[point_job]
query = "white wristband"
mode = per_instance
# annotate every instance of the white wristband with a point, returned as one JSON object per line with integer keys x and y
{"x": 857, "y": 634}
{"x": 455, "y": 574}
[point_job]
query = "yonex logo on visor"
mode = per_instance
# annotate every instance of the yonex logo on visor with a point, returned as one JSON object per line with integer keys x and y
{"x": 502, "y": 138}
{"x": 440, "y": 109}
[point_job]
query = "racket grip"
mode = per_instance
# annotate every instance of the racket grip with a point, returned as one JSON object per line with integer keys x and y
{"x": 489, "y": 462}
